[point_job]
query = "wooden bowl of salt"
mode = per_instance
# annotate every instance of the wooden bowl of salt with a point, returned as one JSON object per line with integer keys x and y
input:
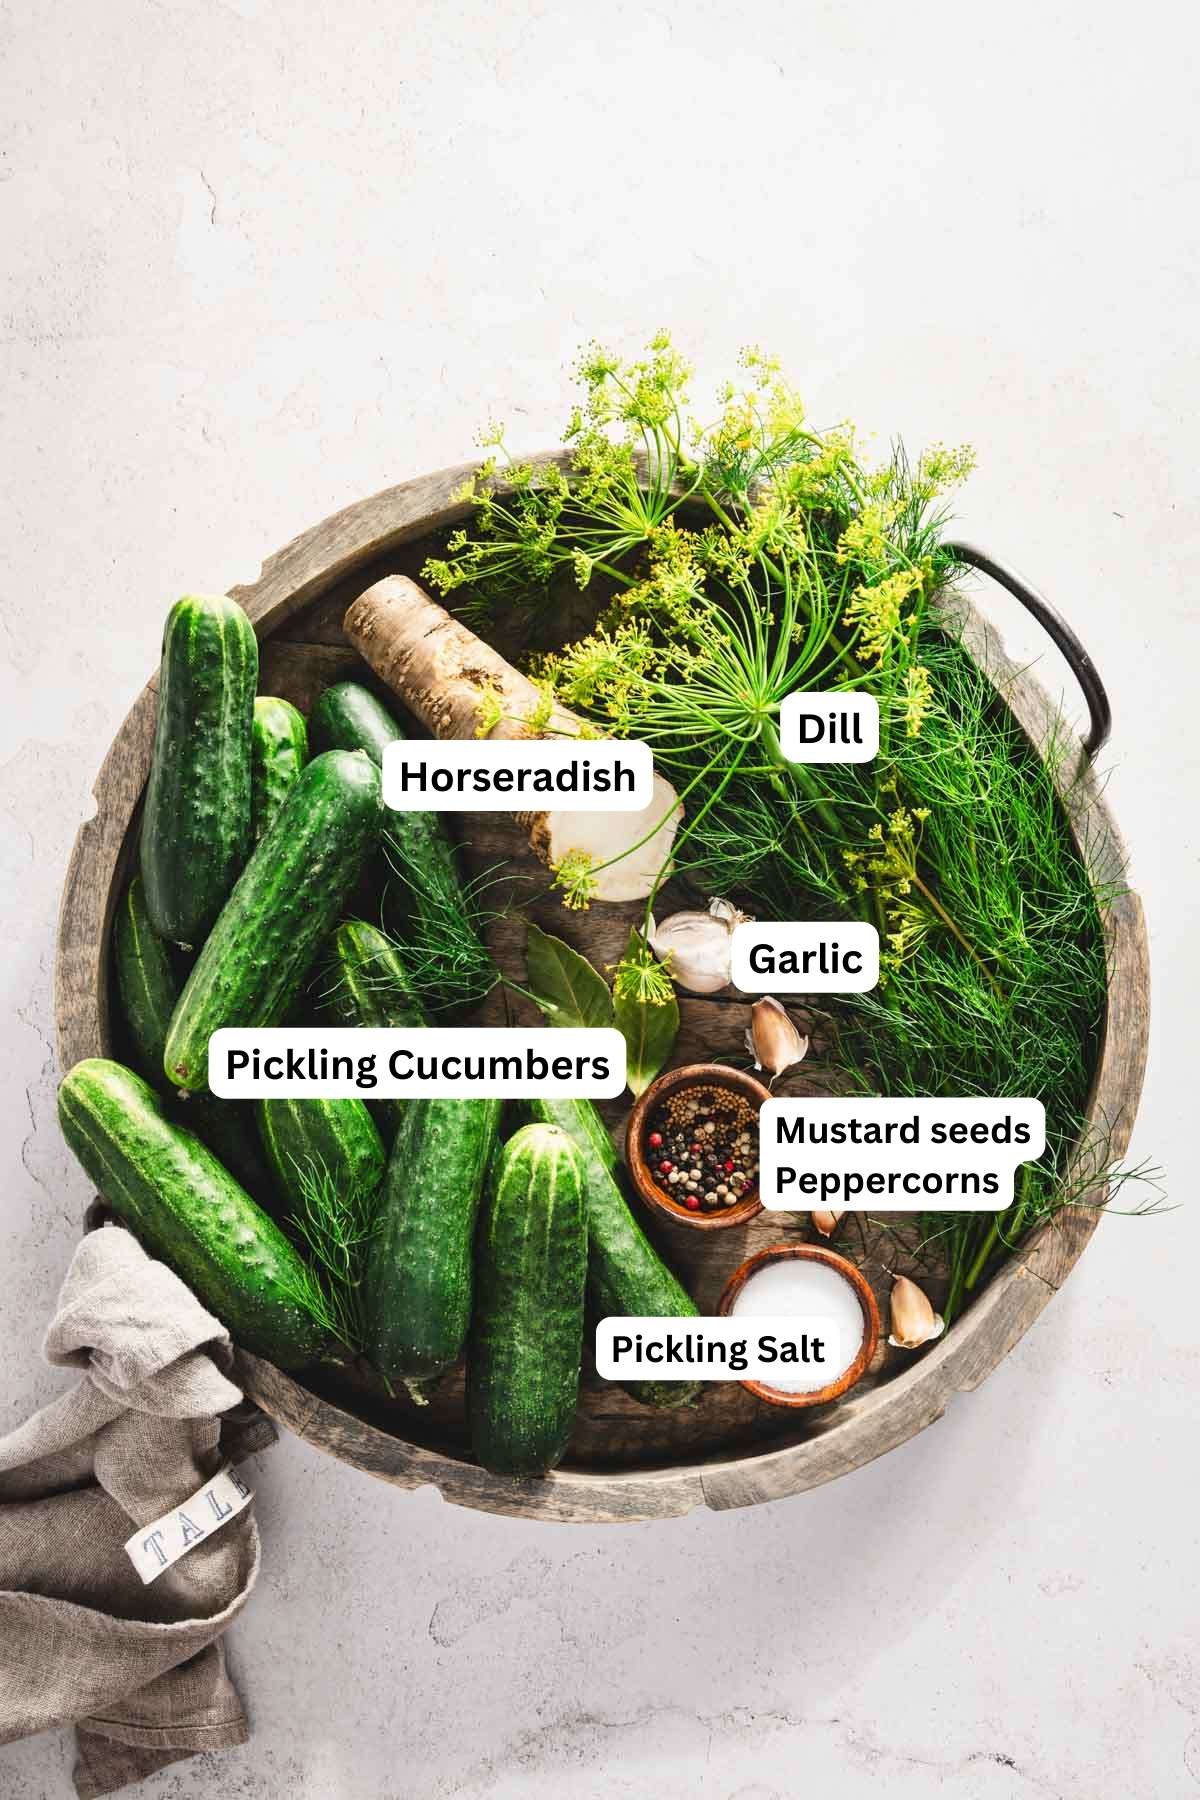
{"x": 807, "y": 1281}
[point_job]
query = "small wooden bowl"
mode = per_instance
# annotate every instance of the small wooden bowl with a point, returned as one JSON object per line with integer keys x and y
{"x": 693, "y": 1075}
{"x": 866, "y": 1299}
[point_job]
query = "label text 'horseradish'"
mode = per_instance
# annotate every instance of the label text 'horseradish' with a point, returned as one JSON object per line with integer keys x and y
{"x": 829, "y": 728}
{"x": 518, "y": 775}
{"x": 895, "y": 1155}
{"x": 790, "y": 958}
{"x": 469, "y": 1063}
{"x": 714, "y": 1349}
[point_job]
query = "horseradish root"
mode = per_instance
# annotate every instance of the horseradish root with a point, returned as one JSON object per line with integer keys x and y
{"x": 459, "y": 687}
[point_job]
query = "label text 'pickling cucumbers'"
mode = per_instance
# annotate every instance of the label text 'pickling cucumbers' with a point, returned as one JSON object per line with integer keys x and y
{"x": 518, "y": 775}
{"x": 471, "y": 1063}
{"x": 865, "y": 1155}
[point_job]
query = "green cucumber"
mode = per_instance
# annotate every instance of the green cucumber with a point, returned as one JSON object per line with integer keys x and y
{"x": 196, "y": 822}
{"x": 189, "y": 1211}
{"x": 148, "y": 983}
{"x": 349, "y": 717}
{"x": 527, "y": 1335}
{"x": 364, "y": 982}
{"x": 253, "y": 966}
{"x": 228, "y": 1128}
{"x": 626, "y": 1276}
{"x": 423, "y": 895}
{"x": 304, "y": 1137}
{"x": 278, "y": 752}
{"x": 419, "y": 1266}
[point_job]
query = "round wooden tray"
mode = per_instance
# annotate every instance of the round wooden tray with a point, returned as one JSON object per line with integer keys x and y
{"x": 625, "y": 1462}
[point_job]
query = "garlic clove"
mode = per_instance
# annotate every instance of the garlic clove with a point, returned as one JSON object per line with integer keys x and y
{"x": 698, "y": 946}
{"x": 728, "y": 913}
{"x": 772, "y": 1039}
{"x": 914, "y": 1321}
{"x": 826, "y": 1222}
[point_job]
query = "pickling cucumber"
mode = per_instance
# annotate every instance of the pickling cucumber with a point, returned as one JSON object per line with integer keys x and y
{"x": 419, "y": 1266}
{"x": 254, "y": 963}
{"x": 189, "y": 1211}
{"x": 278, "y": 752}
{"x": 304, "y": 1139}
{"x": 423, "y": 895}
{"x": 348, "y": 716}
{"x": 626, "y": 1276}
{"x": 527, "y": 1333}
{"x": 196, "y": 822}
{"x": 149, "y": 984}
{"x": 364, "y": 982}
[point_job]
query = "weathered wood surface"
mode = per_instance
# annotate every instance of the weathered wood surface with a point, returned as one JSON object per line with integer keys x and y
{"x": 625, "y": 1463}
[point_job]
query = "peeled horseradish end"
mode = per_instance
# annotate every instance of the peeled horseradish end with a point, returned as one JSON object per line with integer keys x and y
{"x": 610, "y": 846}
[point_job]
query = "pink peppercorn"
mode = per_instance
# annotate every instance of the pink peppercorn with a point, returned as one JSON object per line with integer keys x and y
{"x": 655, "y": 1140}
{"x": 664, "y": 1168}
{"x": 692, "y": 1202}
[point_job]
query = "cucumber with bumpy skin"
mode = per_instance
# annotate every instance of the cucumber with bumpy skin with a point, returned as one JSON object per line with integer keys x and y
{"x": 253, "y": 966}
{"x": 189, "y": 1211}
{"x": 279, "y": 750}
{"x": 149, "y": 984}
{"x": 626, "y": 1276}
{"x": 302, "y": 1138}
{"x": 364, "y": 983}
{"x": 196, "y": 822}
{"x": 419, "y": 1268}
{"x": 348, "y": 716}
{"x": 527, "y": 1333}
{"x": 424, "y": 899}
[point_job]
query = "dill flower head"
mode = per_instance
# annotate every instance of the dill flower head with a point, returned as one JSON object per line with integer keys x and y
{"x": 640, "y": 977}
{"x": 575, "y": 877}
{"x": 878, "y": 610}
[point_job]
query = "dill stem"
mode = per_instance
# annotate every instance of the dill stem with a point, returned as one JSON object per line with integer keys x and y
{"x": 932, "y": 900}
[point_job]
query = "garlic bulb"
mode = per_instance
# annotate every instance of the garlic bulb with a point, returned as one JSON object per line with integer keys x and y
{"x": 914, "y": 1321}
{"x": 772, "y": 1039}
{"x": 698, "y": 945}
{"x": 826, "y": 1222}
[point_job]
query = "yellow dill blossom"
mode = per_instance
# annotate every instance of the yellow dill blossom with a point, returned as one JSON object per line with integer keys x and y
{"x": 640, "y": 977}
{"x": 877, "y": 611}
{"x": 942, "y": 467}
{"x": 542, "y": 713}
{"x": 866, "y": 538}
{"x": 489, "y": 711}
{"x": 574, "y": 875}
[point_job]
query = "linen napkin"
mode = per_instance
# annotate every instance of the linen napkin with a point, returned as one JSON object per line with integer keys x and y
{"x": 139, "y": 1669}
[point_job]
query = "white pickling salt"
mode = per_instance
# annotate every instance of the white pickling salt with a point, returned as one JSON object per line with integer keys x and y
{"x": 798, "y": 1287}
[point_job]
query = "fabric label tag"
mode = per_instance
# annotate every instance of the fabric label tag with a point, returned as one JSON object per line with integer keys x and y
{"x": 155, "y": 1547}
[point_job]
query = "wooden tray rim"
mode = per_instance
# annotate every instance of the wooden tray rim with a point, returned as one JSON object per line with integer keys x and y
{"x": 860, "y": 1429}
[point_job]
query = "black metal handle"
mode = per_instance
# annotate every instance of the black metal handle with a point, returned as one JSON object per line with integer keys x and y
{"x": 1056, "y": 627}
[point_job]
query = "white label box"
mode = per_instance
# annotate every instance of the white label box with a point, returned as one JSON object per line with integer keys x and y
{"x": 518, "y": 775}
{"x": 760, "y": 1348}
{"x": 455, "y": 1062}
{"x": 787, "y": 957}
{"x": 890, "y": 1155}
{"x": 829, "y": 728}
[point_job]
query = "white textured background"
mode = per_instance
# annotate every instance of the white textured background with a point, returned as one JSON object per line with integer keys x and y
{"x": 262, "y": 257}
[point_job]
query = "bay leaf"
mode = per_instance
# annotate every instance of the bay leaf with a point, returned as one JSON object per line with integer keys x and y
{"x": 564, "y": 984}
